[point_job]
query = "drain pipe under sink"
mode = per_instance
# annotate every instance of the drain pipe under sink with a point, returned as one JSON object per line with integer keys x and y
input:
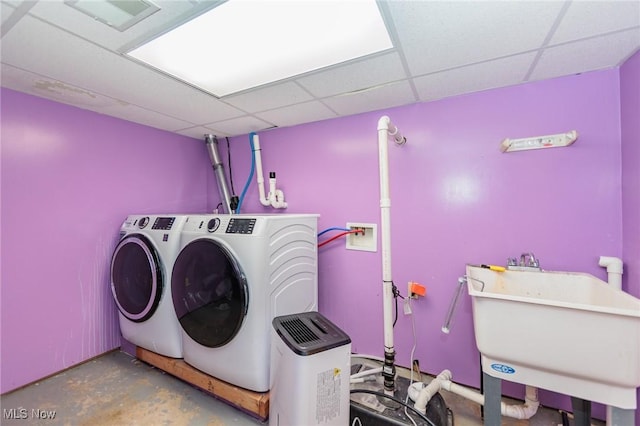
{"x": 443, "y": 381}
{"x": 614, "y": 277}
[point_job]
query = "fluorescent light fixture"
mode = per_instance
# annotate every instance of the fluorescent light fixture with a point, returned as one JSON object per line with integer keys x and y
{"x": 242, "y": 44}
{"x": 119, "y": 14}
{"x": 539, "y": 142}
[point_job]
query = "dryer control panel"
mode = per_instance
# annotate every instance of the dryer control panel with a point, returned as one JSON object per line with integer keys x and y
{"x": 241, "y": 226}
{"x": 163, "y": 223}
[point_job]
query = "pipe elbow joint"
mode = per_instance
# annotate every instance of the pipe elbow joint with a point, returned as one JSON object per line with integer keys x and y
{"x": 613, "y": 264}
{"x": 383, "y": 123}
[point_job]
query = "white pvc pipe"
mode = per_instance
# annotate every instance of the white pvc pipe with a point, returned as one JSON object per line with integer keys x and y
{"x": 275, "y": 198}
{"x": 443, "y": 381}
{"x": 366, "y": 373}
{"x": 431, "y": 389}
{"x": 386, "y": 129}
{"x": 614, "y": 277}
{"x": 614, "y": 270}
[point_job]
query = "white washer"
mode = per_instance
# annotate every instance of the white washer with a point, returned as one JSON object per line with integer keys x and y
{"x": 141, "y": 268}
{"x": 233, "y": 275}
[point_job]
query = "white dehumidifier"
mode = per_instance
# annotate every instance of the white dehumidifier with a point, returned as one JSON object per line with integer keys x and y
{"x": 310, "y": 371}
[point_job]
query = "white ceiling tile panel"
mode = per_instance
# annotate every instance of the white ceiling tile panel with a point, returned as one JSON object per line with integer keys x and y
{"x": 5, "y": 12}
{"x": 58, "y": 91}
{"x": 268, "y": 97}
{"x": 355, "y": 76}
{"x": 589, "y": 18}
{"x": 370, "y": 100}
{"x": 439, "y": 35}
{"x": 55, "y": 90}
{"x": 238, "y": 126}
{"x": 86, "y": 65}
{"x": 144, "y": 116}
{"x": 197, "y": 132}
{"x": 473, "y": 78}
{"x": 64, "y": 16}
{"x": 586, "y": 55}
{"x": 297, "y": 114}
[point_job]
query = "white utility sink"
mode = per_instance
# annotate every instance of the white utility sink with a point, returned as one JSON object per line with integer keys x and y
{"x": 566, "y": 332}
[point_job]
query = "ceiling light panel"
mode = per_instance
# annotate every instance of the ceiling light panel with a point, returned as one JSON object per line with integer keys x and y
{"x": 243, "y": 44}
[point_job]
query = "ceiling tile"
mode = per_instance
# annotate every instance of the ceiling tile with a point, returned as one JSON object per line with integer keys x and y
{"x": 269, "y": 97}
{"x": 586, "y": 55}
{"x": 143, "y": 116}
{"x": 355, "y": 76}
{"x": 64, "y": 16}
{"x": 297, "y": 114}
{"x": 238, "y": 126}
{"x": 55, "y": 90}
{"x": 439, "y": 35}
{"x": 86, "y": 65}
{"x": 589, "y": 18}
{"x": 386, "y": 96}
{"x": 197, "y": 132}
{"x": 473, "y": 78}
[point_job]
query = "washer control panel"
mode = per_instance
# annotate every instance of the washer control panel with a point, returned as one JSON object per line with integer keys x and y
{"x": 241, "y": 226}
{"x": 163, "y": 223}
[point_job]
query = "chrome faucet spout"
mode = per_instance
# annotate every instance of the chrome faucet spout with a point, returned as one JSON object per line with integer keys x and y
{"x": 529, "y": 260}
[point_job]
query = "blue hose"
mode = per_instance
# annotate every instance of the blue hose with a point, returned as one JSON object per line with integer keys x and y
{"x": 253, "y": 166}
{"x": 333, "y": 229}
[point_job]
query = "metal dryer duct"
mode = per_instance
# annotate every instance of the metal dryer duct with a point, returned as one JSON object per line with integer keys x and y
{"x": 218, "y": 168}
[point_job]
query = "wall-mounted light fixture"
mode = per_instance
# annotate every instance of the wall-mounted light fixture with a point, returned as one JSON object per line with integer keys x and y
{"x": 539, "y": 142}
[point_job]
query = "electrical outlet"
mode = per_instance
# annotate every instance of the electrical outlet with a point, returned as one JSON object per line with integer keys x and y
{"x": 367, "y": 240}
{"x": 409, "y": 292}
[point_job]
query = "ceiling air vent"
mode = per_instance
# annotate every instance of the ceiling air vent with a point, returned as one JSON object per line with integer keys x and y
{"x": 118, "y": 14}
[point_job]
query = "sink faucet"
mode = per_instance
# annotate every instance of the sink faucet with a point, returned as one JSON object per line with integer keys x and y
{"x": 529, "y": 260}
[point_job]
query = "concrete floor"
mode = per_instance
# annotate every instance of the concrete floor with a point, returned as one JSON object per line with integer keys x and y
{"x": 117, "y": 389}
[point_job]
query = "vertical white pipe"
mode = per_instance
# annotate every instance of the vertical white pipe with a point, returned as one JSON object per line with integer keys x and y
{"x": 386, "y": 128}
{"x": 614, "y": 277}
{"x": 614, "y": 270}
{"x": 258, "y": 158}
{"x": 275, "y": 198}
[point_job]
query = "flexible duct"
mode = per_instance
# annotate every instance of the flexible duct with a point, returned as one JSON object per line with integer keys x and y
{"x": 218, "y": 169}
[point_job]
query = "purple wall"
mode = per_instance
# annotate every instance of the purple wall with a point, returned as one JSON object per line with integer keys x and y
{"x": 69, "y": 178}
{"x": 456, "y": 199}
{"x": 630, "y": 125}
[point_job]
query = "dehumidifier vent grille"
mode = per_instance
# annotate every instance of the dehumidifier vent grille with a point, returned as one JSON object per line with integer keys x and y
{"x": 299, "y": 331}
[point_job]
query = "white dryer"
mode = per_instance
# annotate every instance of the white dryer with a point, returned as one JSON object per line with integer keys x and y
{"x": 233, "y": 275}
{"x": 141, "y": 268}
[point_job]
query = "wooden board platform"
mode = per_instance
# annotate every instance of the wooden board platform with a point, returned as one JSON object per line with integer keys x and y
{"x": 253, "y": 402}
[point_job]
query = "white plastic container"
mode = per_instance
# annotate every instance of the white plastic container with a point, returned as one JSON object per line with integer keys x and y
{"x": 310, "y": 371}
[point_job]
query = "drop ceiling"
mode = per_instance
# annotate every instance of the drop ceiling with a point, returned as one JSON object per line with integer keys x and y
{"x": 441, "y": 49}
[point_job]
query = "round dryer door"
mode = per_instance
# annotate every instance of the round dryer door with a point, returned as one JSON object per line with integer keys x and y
{"x": 136, "y": 277}
{"x": 209, "y": 292}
